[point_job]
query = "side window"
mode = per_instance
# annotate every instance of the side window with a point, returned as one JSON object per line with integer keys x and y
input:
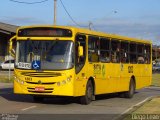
{"x": 6, "y": 61}
{"x": 133, "y": 52}
{"x": 104, "y": 49}
{"x": 115, "y": 51}
{"x": 12, "y": 61}
{"x": 140, "y": 53}
{"x": 93, "y": 49}
{"x": 124, "y": 52}
{"x": 80, "y": 60}
{"x": 147, "y": 54}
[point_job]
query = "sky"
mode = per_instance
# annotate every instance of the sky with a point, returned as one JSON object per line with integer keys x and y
{"x": 132, "y": 18}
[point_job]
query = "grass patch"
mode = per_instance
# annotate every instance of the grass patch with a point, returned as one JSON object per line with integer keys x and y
{"x": 156, "y": 79}
{"x": 5, "y": 79}
{"x": 151, "y": 107}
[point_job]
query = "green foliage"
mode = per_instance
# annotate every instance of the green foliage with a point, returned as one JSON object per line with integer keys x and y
{"x": 156, "y": 79}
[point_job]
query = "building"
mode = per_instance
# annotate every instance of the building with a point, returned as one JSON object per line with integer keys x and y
{"x": 6, "y": 32}
{"x": 156, "y": 53}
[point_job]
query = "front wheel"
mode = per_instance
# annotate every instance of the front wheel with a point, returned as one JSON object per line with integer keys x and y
{"x": 85, "y": 100}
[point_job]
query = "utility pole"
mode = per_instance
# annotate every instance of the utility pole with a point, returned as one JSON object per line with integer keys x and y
{"x": 90, "y": 24}
{"x": 156, "y": 51}
{"x": 55, "y": 11}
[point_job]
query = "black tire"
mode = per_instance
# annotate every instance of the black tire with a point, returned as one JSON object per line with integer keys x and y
{"x": 130, "y": 93}
{"x": 38, "y": 99}
{"x": 87, "y": 99}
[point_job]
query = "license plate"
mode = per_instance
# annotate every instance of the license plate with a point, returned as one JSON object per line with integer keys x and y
{"x": 39, "y": 89}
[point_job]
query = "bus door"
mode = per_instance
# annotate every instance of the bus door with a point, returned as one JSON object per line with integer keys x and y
{"x": 80, "y": 67}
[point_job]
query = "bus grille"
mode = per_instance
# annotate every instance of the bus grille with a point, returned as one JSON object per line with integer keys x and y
{"x": 46, "y": 90}
{"x": 43, "y": 83}
{"x": 41, "y": 74}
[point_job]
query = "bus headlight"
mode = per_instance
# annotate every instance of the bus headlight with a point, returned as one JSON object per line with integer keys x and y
{"x": 68, "y": 79}
{"x": 18, "y": 80}
{"x": 22, "y": 82}
{"x": 58, "y": 83}
{"x": 64, "y": 81}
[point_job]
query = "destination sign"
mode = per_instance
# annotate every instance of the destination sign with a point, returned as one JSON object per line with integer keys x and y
{"x": 44, "y": 32}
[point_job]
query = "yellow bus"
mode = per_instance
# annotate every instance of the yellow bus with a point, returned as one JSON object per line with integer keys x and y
{"x": 75, "y": 62}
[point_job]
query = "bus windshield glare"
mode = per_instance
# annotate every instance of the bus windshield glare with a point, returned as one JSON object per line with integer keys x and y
{"x": 44, "y": 55}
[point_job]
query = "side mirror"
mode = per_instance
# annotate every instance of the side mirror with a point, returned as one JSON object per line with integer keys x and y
{"x": 11, "y": 50}
{"x": 80, "y": 51}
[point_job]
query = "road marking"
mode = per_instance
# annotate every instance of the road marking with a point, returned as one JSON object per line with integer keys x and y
{"x": 31, "y": 107}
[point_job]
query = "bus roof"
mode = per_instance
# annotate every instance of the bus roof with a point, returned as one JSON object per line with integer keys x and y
{"x": 91, "y": 32}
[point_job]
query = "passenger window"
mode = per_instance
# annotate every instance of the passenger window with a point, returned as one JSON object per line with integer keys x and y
{"x": 93, "y": 49}
{"x": 147, "y": 53}
{"x": 115, "y": 51}
{"x": 133, "y": 53}
{"x": 124, "y": 52}
{"x": 104, "y": 49}
{"x": 140, "y": 53}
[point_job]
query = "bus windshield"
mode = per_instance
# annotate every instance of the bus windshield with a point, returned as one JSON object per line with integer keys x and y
{"x": 44, "y": 55}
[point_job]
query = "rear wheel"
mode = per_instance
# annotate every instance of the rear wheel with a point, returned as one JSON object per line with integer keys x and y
{"x": 85, "y": 100}
{"x": 130, "y": 93}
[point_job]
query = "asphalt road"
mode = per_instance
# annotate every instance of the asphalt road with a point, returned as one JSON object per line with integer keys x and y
{"x": 105, "y": 107}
